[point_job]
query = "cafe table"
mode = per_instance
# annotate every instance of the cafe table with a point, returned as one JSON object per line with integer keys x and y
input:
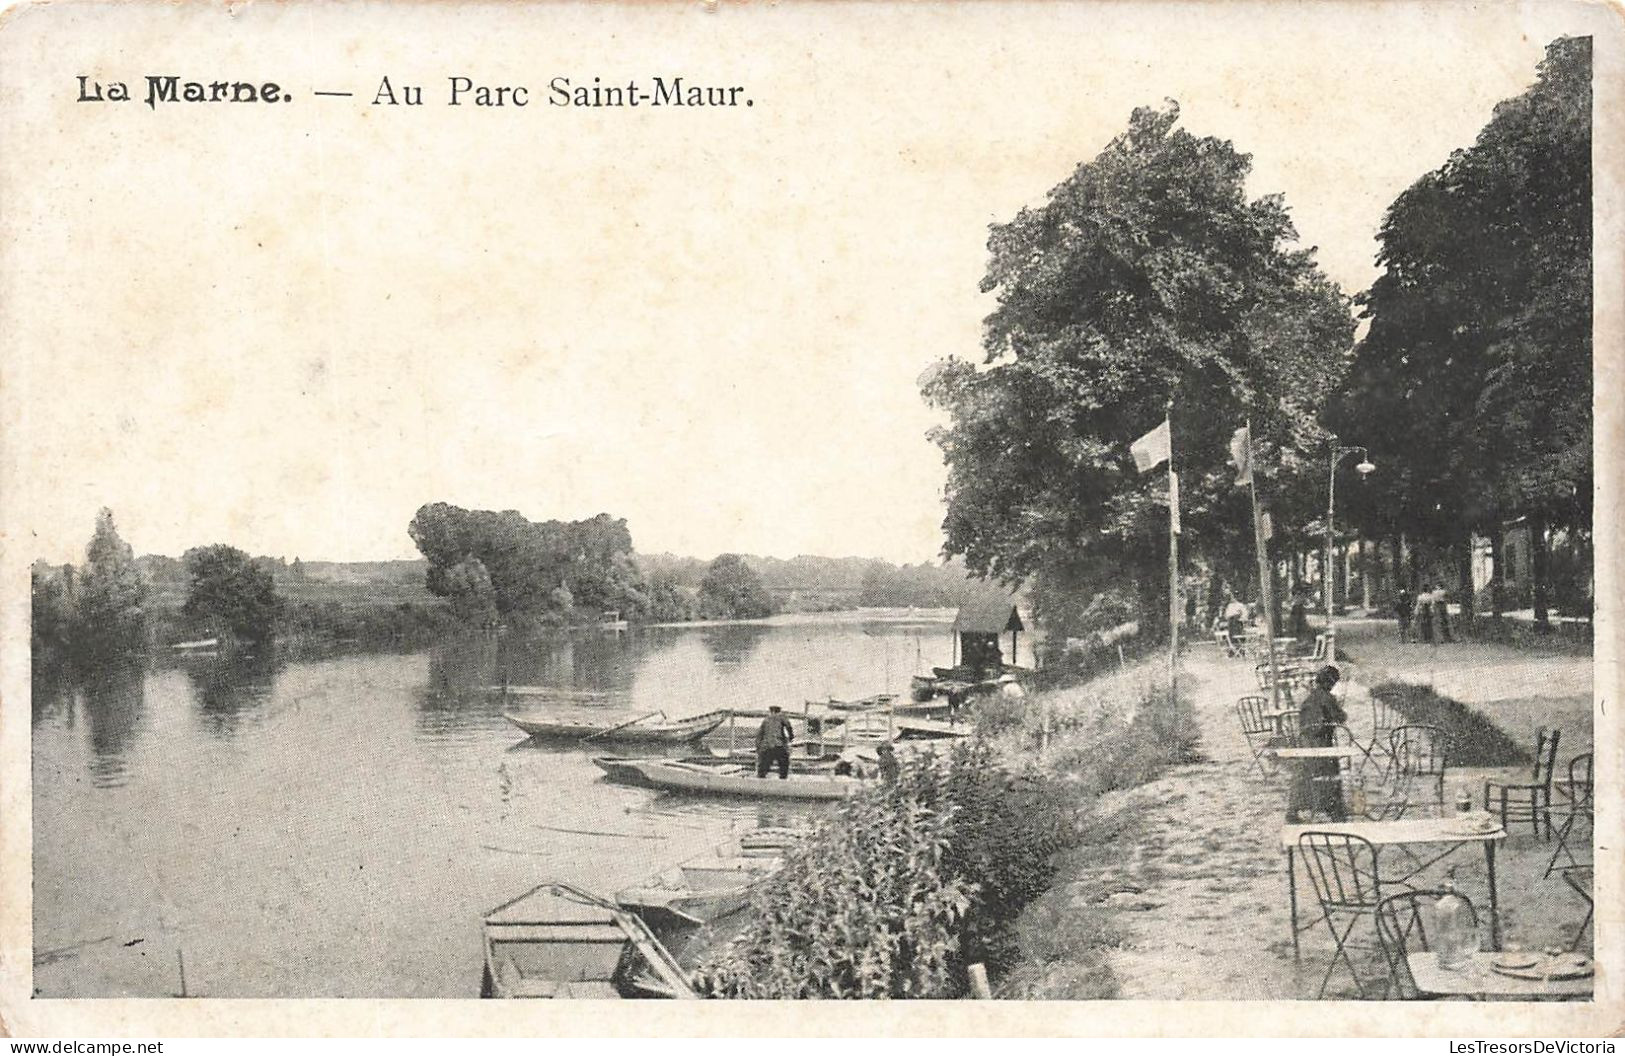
{"x": 1449, "y": 832}
{"x": 1477, "y": 978}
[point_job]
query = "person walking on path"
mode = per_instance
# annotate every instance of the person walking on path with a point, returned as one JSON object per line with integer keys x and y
{"x": 1317, "y": 785}
{"x": 1404, "y": 609}
{"x": 1424, "y": 616}
{"x": 773, "y": 739}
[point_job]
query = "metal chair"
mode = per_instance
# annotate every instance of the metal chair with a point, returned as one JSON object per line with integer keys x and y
{"x": 1578, "y": 791}
{"x": 1420, "y": 756}
{"x": 1259, "y": 731}
{"x": 1579, "y": 880}
{"x": 1343, "y": 869}
{"x": 1531, "y": 801}
{"x": 1401, "y": 930}
{"x": 1385, "y": 719}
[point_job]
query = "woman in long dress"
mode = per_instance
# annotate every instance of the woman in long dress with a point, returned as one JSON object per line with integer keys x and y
{"x": 1317, "y": 785}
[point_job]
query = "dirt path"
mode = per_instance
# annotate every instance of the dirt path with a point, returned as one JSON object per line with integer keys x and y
{"x": 1193, "y": 879}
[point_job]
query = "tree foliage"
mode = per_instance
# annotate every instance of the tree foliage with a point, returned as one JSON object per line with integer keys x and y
{"x": 230, "y": 590}
{"x": 1478, "y": 357}
{"x": 1148, "y": 276}
{"x": 731, "y": 590}
{"x": 110, "y": 597}
{"x": 545, "y": 568}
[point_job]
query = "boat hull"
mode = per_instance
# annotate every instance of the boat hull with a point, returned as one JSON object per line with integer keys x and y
{"x": 679, "y": 732}
{"x": 733, "y": 781}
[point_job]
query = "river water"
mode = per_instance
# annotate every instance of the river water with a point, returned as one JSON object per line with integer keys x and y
{"x": 336, "y": 827}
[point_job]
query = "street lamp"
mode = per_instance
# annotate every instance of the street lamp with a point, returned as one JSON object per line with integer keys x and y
{"x": 1364, "y": 467}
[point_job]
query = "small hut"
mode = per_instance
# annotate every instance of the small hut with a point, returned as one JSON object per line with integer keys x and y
{"x": 977, "y": 629}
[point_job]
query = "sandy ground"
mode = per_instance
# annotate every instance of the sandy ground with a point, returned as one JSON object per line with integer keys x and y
{"x": 1197, "y": 887}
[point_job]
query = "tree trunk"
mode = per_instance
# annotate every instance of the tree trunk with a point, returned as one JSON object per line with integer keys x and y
{"x": 1464, "y": 574}
{"x": 1396, "y": 545}
{"x": 1538, "y": 568}
{"x": 1414, "y": 574}
{"x": 1497, "y": 570}
{"x": 1365, "y": 576}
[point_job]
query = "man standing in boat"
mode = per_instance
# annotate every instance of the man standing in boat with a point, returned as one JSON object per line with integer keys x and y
{"x": 773, "y": 739}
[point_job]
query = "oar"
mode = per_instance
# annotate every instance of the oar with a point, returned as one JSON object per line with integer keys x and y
{"x": 623, "y": 725}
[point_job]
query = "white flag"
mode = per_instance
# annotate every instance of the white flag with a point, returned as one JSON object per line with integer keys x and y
{"x": 1173, "y": 501}
{"x": 1152, "y": 449}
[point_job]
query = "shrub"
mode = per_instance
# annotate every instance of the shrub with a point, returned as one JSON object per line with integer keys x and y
{"x": 902, "y": 888}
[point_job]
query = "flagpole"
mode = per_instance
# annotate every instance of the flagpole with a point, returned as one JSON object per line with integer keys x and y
{"x": 1265, "y": 584}
{"x": 1173, "y": 564}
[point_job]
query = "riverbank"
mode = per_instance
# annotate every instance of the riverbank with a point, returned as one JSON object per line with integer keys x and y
{"x": 1188, "y": 868}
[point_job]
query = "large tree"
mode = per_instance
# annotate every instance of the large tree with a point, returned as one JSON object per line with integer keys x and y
{"x": 110, "y": 599}
{"x": 230, "y": 591}
{"x": 1148, "y": 276}
{"x": 731, "y": 590}
{"x": 1473, "y": 384}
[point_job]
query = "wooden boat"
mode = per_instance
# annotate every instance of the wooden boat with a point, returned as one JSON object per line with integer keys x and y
{"x": 654, "y": 729}
{"x": 710, "y": 886}
{"x": 201, "y": 643}
{"x": 611, "y": 621}
{"x": 725, "y": 779}
{"x": 560, "y": 941}
{"x": 878, "y": 700}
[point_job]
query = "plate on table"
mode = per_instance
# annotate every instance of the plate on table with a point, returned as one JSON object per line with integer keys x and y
{"x": 1516, "y": 960}
{"x": 1474, "y": 824}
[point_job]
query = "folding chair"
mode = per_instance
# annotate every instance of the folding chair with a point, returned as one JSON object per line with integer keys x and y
{"x": 1420, "y": 756}
{"x": 1259, "y": 731}
{"x": 1385, "y": 719}
{"x": 1579, "y": 880}
{"x": 1531, "y": 801}
{"x": 1343, "y": 869}
{"x": 1578, "y": 791}
{"x": 1401, "y": 930}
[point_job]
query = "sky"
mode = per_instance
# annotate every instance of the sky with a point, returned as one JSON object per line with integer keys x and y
{"x": 286, "y": 327}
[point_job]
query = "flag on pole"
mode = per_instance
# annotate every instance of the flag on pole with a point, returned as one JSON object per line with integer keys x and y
{"x": 1241, "y": 453}
{"x": 1173, "y": 501}
{"x": 1152, "y": 449}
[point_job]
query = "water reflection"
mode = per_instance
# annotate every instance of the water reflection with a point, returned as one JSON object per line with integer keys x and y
{"x": 231, "y": 690}
{"x": 114, "y": 699}
{"x": 732, "y": 645}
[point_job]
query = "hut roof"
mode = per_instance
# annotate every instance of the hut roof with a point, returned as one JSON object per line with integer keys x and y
{"x": 989, "y": 617}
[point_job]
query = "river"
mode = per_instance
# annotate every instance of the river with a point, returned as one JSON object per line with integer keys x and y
{"x": 337, "y": 826}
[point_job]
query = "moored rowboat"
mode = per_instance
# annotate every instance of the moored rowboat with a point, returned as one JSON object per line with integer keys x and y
{"x": 559, "y": 941}
{"x": 727, "y": 779}
{"x": 711, "y": 886}
{"x": 614, "y": 728}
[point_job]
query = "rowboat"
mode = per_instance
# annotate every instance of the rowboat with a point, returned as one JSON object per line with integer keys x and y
{"x": 560, "y": 941}
{"x": 710, "y": 886}
{"x": 613, "y": 728}
{"x": 879, "y": 700}
{"x": 201, "y": 643}
{"x": 725, "y": 779}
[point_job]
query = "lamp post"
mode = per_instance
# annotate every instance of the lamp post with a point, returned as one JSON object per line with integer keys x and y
{"x": 1364, "y": 467}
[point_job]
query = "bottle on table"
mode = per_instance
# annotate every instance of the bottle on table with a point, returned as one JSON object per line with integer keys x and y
{"x": 1455, "y": 933}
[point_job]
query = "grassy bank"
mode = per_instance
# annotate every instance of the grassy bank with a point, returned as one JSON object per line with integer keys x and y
{"x": 1474, "y": 740}
{"x": 907, "y": 885}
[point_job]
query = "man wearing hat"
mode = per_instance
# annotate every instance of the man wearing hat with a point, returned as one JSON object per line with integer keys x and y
{"x": 773, "y": 739}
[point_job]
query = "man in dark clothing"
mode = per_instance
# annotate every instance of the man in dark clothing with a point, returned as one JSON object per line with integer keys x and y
{"x": 773, "y": 739}
{"x": 1318, "y": 787}
{"x": 1404, "y": 609}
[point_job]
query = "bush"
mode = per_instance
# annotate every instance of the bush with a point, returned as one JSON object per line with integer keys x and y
{"x": 902, "y": 888}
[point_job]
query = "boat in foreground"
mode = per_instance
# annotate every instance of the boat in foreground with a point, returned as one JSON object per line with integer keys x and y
{"x": 559, "y": 941}
{"x": 650, "y": 729}
{"x": 709, "y": 887}
{"x": 725, "y": 778}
